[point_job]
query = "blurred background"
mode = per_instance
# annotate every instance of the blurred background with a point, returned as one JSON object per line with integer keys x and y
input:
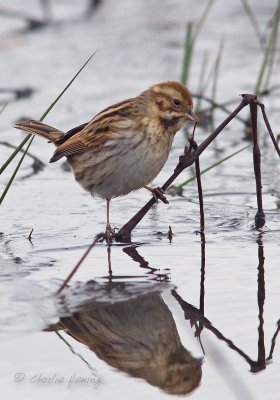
{"x": 139, "y": 43}
{"x": 223, "y": 316}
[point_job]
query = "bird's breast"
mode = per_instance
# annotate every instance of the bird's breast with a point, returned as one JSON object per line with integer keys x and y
{"x": 126, "y": 162}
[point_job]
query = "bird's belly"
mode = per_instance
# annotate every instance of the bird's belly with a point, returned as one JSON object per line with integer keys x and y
{"x": 118, "y": 168}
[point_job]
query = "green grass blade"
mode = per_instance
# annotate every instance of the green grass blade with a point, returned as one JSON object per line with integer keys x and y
{"x": 187, "y": 54}
{"x": 192, "y": 33}
{"x": 213, "y": 166}
{"x": 216, "y": 69}
{"x": 66, "y": 87}
{"x": 5, "y": 105}
{"x": 31, "y": 137}
{"x": 253, "y": 20}
{"x": 274, "y": 33}
{"x": 202, "y": 18}
{"x": 14, "y": 153}
{"x": 202, "y": 82}
{"x": 12, "y": 156}
{"x": 268, "y": 50}
{"x": 32, "y": 156}
{"x": 15, "y": 172}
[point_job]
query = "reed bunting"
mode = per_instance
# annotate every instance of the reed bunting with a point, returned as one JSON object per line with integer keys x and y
{"x": 125, "y": 146}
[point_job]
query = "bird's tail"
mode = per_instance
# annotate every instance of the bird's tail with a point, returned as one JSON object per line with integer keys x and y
{"x": 38, "y": 128}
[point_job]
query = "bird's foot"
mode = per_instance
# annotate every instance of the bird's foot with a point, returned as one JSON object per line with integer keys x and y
{"x": 108, "y": 235}
{"x": 109, "y": 232}
{"x": 158, "y": 194}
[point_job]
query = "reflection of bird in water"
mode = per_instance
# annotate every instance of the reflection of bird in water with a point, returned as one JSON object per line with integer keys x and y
{"x": 137, "y": 335}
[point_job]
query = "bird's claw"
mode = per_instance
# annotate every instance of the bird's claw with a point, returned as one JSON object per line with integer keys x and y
{"x": 109, "y": 230}
{"x": 158, "y": 194}
{"x": 108, "y": 235}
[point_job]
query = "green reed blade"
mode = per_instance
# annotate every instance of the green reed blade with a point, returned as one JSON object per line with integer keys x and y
{"x": 203, "y": 18}
{"x": 212, "y": 166}
{"x": 254, "y": 21}
{"x": 12, "y": 156}
{"x": 216, "y": 69}
{"x": 187, "y": 54}
{"x": 270, "y": 48}
{"x": 192, "y": 33}
{"x": 15, "y": 172}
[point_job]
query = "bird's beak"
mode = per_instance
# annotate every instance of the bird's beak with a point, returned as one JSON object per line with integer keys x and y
{"x": 190, "y": 116}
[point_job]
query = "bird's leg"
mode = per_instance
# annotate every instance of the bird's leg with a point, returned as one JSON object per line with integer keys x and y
{"x": 109, "y": 230}
{"x": 109, "y": 233}
{"x": 158, "y": 193}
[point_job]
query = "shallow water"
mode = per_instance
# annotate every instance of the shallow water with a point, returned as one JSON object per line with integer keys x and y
{"x": 221, "y": 313}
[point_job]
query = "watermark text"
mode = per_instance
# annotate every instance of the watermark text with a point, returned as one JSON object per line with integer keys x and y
{"x": 69, "y": 381}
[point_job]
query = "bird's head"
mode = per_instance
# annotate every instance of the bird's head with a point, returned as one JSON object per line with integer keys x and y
{"x": 171, "y": 103}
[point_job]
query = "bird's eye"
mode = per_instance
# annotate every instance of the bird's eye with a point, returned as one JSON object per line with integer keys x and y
{"x": 176, "y": 102}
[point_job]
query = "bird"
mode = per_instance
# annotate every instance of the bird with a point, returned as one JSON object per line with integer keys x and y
{"x": 125, "y": 146}
{"x": 136, "y": 335}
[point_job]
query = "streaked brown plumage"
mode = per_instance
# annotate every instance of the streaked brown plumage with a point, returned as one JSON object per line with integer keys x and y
{"x": 136, "y": 333}
{"x": 124, "y": 147}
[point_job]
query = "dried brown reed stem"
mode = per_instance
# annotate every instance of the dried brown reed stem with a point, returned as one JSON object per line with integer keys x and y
{"x": 260, "y": 216}
{"x": 75, "y": 269}
{"x": 273, "y": 341}
{"x": 190, "y": 157}
{"x": 30, "y": 235}
{"x": 193, "y": 145}
{"x": 185, "y": 161}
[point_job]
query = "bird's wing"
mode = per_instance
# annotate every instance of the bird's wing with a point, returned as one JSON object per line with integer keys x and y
{"x": 95, "y": 134}
{"x": 71, "y": 133}
{"x": 89, "y": 138}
